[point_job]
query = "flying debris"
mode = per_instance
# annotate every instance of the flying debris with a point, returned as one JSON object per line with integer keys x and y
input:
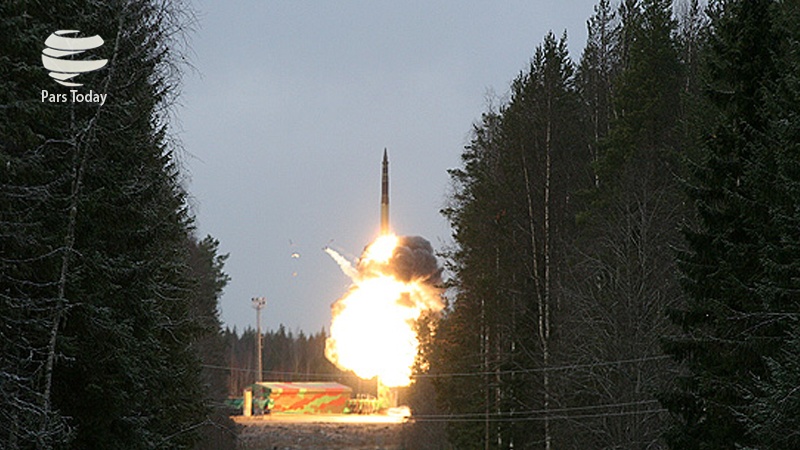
{"x": 295, "y": 255}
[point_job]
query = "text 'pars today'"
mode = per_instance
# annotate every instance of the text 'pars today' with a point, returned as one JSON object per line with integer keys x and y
{"x": 75, "y": 97}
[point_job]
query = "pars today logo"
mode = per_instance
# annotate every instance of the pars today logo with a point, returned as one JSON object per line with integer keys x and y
{"x": 58, "y": 57}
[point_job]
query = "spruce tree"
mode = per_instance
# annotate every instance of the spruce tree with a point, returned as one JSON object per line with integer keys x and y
{"x": 773, "y": 414}
{"x": 737, "y": 272}
{"x": 206, "y": 268}
{"x": 35, "y": 159}
{"x": 95, "y": 282}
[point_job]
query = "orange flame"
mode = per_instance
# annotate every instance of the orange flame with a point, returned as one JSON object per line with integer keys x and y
{"x": 372, "y": 329}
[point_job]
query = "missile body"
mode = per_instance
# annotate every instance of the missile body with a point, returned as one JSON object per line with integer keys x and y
{"x": 385, "y": 195}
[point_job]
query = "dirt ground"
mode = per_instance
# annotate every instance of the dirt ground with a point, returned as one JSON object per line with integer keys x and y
{"x": 297, "y": 432}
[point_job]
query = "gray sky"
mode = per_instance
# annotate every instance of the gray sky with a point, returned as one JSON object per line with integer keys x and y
{"x": 291, "y": 107}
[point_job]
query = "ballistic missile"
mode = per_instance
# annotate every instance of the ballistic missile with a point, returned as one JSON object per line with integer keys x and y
{"x": 385, "y": 195}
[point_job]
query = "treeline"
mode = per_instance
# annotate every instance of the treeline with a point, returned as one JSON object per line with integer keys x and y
{"x": 625, "y": 273}
{"x": 286, "y": 356}
{"x": 108, "y": 301}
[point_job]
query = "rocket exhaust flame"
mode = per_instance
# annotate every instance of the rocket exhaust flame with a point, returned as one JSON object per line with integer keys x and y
{"x": 372, "y": 329}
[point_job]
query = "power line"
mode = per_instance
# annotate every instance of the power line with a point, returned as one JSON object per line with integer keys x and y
{"x": 543, "y": 369}
{"x": 510, "y": 414}
{"x": 445, "y": 418}
{"x": 275, "y": 372}
{"x": 464, "y": 374}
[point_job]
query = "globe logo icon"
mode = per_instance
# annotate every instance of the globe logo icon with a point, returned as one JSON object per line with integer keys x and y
{"x": 58, "y": 55}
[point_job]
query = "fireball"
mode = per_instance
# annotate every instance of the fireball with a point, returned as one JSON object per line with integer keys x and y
{"x": 372, "y": 328}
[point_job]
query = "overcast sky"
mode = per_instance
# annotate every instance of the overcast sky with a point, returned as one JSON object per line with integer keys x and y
{"x": 292, "y": 104}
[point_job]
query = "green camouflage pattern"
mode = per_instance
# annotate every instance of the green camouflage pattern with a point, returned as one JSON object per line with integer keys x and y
{"x": 304, "y": 398}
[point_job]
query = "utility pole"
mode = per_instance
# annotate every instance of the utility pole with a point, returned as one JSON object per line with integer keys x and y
{"x": 258, "y": 304}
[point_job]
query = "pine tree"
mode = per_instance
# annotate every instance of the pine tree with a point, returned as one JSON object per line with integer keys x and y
{"x": 464, "y": 336}
{"x": 510, "y": 216}
{"x": 622, "y": 270}
{"x": 596, "y": 75}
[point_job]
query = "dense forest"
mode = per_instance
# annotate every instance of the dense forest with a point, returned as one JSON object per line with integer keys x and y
{"x": 286, "y": 356}
{"x": 624, "y": 274}
{"x": 108, "y": 300}
{"x": 626, "y": 234}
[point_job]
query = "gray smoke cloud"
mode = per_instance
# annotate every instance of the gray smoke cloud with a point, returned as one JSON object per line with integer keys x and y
{"x": 412, "y": 259}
